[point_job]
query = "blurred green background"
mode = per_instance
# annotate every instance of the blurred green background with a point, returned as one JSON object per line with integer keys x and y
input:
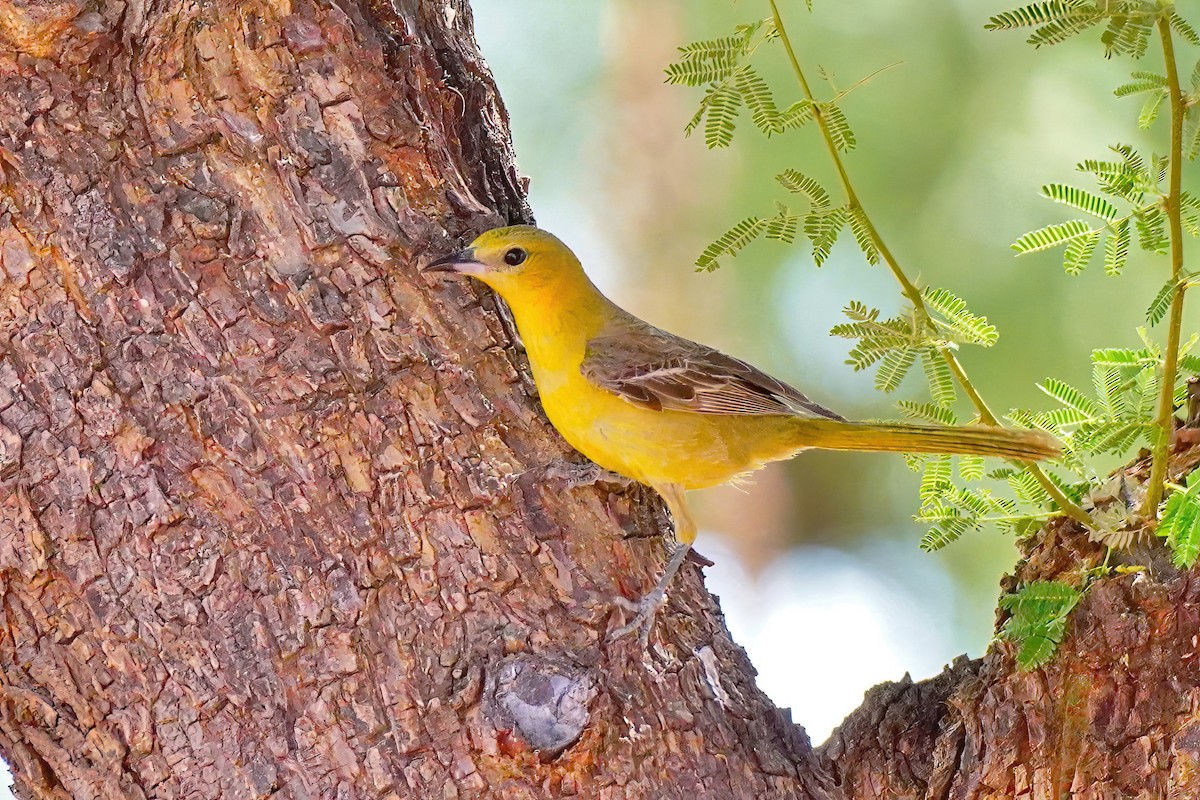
{"x": 817, "y": 560}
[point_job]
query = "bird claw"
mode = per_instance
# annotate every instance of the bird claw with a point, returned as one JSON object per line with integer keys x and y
{"x": 572, "y": 475}
{"x": 643, "y": 618}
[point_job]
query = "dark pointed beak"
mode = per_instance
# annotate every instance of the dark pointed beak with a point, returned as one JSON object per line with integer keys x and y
{"x": 463, "y": 261}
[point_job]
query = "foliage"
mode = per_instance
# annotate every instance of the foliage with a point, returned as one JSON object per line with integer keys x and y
{"x": 1038, "y": 619}
{"x": 1180, "y": 523}
{"x": 1135, "y": 199}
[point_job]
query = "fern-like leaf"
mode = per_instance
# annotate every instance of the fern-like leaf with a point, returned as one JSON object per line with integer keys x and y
{"x": 1142, "y": 82}
{"x": 936, "y": 478}
{"x": 893, "y": 367}
{"x": 970, "y": 468}
{"x": 724, "y": 102}
{"x": 1191, "y": 133}
{"x": 782, "y": 227}
{"x": 799, "y": 183}
{"x": 1126, "y": 35}
{"x": 1029, "y": 16}
{"x": 839, "y": 128}
{"x": 796, "y": 115}
{"x": 822, "y": 228}
{"x": 938, "y": 375}
{"x": 958, "y": 321}
{"x": 1079, "y": 253}
{"x": 1180, "y": 523}
{"x": 1183, "y": 28}
{"x": 1063, "y": 28}
{"x": 1051, "y": 236}
{"x": 861, "y": 227}
{"x": 1080, "y": 199}
{"x": 1069, "y": 396}
{"x": 1151, "y": 226}
{"x": 1039, "y": 619}
{"x": 1150, "y": 109}
{"x": 1116, "y": 249}
{"x": 928, "y": 412}
{"x": 758, "y": 98}
{"x": 1161, "y": 302}
{"x": 730, "y": 243}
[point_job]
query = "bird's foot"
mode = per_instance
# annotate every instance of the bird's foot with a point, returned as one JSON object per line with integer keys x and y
{"x": 644, "y": 611}
{"x": 572, "y": 475}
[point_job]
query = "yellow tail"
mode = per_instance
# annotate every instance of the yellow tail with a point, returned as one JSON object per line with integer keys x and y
{"x": 983, "y": 440}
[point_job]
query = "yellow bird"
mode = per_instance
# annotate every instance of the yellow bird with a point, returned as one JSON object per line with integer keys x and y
{"x": 665, "y": 411}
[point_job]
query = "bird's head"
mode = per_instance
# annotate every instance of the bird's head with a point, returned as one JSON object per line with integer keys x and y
{"x": 517, "y": 259}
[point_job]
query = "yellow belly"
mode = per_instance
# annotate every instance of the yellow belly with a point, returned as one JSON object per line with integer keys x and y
{"x": 658, "y": 447}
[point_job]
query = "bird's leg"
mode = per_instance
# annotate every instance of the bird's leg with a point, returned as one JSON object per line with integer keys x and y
{"x": 566, "y": 475}
{"x": 685, "y": 534}
{"x": 573, "y": 475}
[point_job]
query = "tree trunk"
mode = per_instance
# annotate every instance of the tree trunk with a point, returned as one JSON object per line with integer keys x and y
{"x": 272, "y": 514}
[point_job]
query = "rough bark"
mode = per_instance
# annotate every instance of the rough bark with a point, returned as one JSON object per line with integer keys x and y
{"x": 268, "y": 523}
{"x": 272, "y": 521}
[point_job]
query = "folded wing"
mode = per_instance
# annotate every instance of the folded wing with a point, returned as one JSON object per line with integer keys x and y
{"x": 658, "y": 370}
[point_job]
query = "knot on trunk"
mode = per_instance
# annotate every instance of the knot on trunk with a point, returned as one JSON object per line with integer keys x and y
{"x": 543, "y": 701}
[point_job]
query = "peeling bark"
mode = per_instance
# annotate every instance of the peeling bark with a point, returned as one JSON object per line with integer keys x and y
{"x": 273, "y": 520}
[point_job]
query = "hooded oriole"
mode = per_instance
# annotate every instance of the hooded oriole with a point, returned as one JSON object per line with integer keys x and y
{"x": 666, "y": 411}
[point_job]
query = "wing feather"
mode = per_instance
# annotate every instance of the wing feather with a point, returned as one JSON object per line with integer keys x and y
{"x": 658, "y": 370}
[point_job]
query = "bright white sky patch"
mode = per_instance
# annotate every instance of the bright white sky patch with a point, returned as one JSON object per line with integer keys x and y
{"x": 822, "y": 626}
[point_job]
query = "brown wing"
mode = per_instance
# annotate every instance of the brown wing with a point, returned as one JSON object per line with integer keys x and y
{"x": 658, "y": 370}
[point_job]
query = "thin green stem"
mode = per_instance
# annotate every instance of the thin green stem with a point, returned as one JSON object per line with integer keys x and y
{"x": 1165, "y": 418}
{"x": 908, "y": 288}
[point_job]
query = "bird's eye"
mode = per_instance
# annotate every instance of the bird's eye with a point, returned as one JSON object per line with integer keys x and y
{"x": 514, "y": 256}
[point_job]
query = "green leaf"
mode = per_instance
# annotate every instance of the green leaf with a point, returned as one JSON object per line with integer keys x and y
{"x": 861, "y": 228}
{"x": 936, "y": 479}
{"x": 695, "y": 72}
{"x": 1116, "y": 249}
{"x": 1142, "y": 82}
{"x": 1181, "y": 26}
{"x": 1029, "y": 16}
{"x": 1038, "y": 619}
{"x": 1150, "y": 109}
{"x": 1161, "y": 302}
{"x": 1026, "y": 487}
{"x": 1069, "y": 396}
{"x": 1079, "y": 253}
{"x": 796, "y": 115}
{"x": 1123, "y": 357}
{"x": 799, "y": 183}
{"x": 730, "y": 243}
{"x": 938, "y": 375}
{"x": 1110, "y": 389}
{"x": 1151, "y": 226}
{"x": 970, "y": 468}
{"x": 1191, "y": 133}
{"x": 1064, "y": 28}
{"x": 839, "y": 128}
{"x": 1051, "y": 236}
{"x": 822, "y": 228}
{"x": 1180, "y": 523}
{"x": 758, "y": 98}
{"x": 1126, "y": 35}
{"x": 928, "y": 412}
{"x": 944, "y": 533}
{"x": 1077, "y": 198}
{"x": 721, "y": 119}
{"x": 893, "y": 367}
{"x": 961, "y": 324}
{"x": 782, "y": 227}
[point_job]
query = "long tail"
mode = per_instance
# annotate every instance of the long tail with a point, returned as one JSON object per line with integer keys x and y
{"x": 984, "y": 440}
